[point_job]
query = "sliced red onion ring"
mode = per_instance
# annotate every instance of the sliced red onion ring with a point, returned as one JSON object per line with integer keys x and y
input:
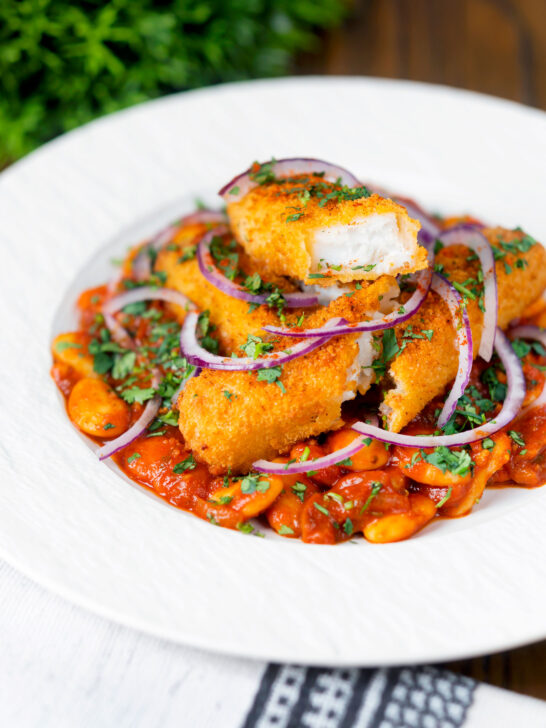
{"x": 147, "y": 293}
{"x": 471, "y": 237}
{"x": 142, "y": 265}
{"x": 194, "y": 373}
{"x": 412, "y": 305}
{"x": 266, "y": 466}
{"x": 243, "y": 183}
{"x": 143, "y": 293}
{"x": 463, "y": 333}
{"x": 198, "y": 356}
{"x": 136, "y": 430}
{"x": 536, "y": 334}
{"x": 215, "y": 277}
{"x": 514, "y": 397}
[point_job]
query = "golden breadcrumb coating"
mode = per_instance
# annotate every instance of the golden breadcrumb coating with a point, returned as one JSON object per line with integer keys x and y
{"x": 276, "y": 224}
{"x": 230, "y": 419}
{"x": 231, "y": 316}
{"x": 424, "y": 368}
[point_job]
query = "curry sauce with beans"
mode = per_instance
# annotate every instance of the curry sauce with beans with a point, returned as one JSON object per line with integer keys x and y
{"x": 385, "y": 493}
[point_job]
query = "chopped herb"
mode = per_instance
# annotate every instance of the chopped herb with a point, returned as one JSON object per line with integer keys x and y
{"x": 347, "y": 463}
{"x": 272, "y": 375}
{"x": 296, "y": 216}
{"x": 187, "y": 464}
{"x": 488, "y": 443}
{"x": 63, "y": 345}
{"x": 252, "y": 483}
{"x": 376, "y": 487}
{"x": 133, "y": 457}
{"x": 189, "y": 253}
{"x": 256, "y": 347}
{"x": 299, "y": 490}
{"x": 206, "y": 328}
{"x": 136, "y": 394}
{"x": 285, "y": 530}
{"x": 316, "y": 275}
{"x": 124, "y": 365}
{"x": 365, "y": 268}
{"x": 348, "y": 527}
{"x": 108, "y": 426}
{"x": 229, "y": 395}
{"x": 457, "y": 462}
{"x": 446, "y": 497}
{"x": 321, "y": 509}
{"x": 135, "y": 309}
{"x": 305, "y": 455}
{"x": 517, "y": 437}
{"x": 262, "y": 173}
{"x": 235, "y": 190}
{"x": 223, "y": 500}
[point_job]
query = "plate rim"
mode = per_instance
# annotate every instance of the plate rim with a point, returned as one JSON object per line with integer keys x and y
{"x": 71, "y": 595}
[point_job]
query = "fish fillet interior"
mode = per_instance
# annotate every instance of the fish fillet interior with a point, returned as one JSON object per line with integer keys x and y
{"x": 385, "y": 241}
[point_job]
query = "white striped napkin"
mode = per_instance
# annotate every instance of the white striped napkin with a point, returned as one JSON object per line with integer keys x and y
{"x": 62, "y": 667}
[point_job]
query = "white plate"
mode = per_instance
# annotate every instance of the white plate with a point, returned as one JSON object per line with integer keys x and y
{"x": 460, "y": 588}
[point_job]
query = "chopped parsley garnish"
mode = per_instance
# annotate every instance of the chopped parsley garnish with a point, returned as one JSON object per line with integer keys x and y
{"x": 138, "y": 394}
{"x": 124, "y": 365}
{"x": 299, "y": 490}
{"x": 321, "y": 509}
{"x": 457, "y": 462}
{"x": 248, "y": 528}
{"x": 296, "y": 216}
{"x": 188, "y": 253}
{"x": 228, "y": 395}
{"x": 365, "y": 268}
{"x": 285, "y": 530}
{"x": 187, "y": 464}
{"x": 376, "y": 487}
{"x": 488, "y": 443}
{"x": 348, "y": 527}
{"x": 262, "y": 173}
{"x": 252, "y": 483}
{"x": 517, "y": 437}
{"x": 256, "y": 347}
{"x": 225, "y": 256}
{"x": 108, "y": 426}
{"x": 63, "y": 345}
{"x": 133, "y": 457}
{"x": 446, "y": 497}
{"x": 388, "y": 349}
{"x": 206, "y": 328}
{"x": 272, "y": 375}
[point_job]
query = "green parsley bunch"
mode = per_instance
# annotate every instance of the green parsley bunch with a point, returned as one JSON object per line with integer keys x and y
{"x": 63, "y": 63}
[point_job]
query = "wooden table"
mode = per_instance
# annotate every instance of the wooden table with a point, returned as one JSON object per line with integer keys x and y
{"x": 493, "y": 46}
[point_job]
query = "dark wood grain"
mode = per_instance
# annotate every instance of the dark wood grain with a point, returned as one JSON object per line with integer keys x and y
{"x": 493, "y": 46}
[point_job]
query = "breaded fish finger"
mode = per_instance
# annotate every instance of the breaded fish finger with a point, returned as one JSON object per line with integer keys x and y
{"x": 424, "y": 368}
{"x": 318, "y": 231}
{"x": 231, "y": 419}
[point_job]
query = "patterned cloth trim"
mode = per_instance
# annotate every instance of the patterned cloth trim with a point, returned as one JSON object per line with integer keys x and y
{"x": 298, "y": 697}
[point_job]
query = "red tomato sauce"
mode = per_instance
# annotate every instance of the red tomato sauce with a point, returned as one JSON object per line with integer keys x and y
{"x": 385, "y": 493}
